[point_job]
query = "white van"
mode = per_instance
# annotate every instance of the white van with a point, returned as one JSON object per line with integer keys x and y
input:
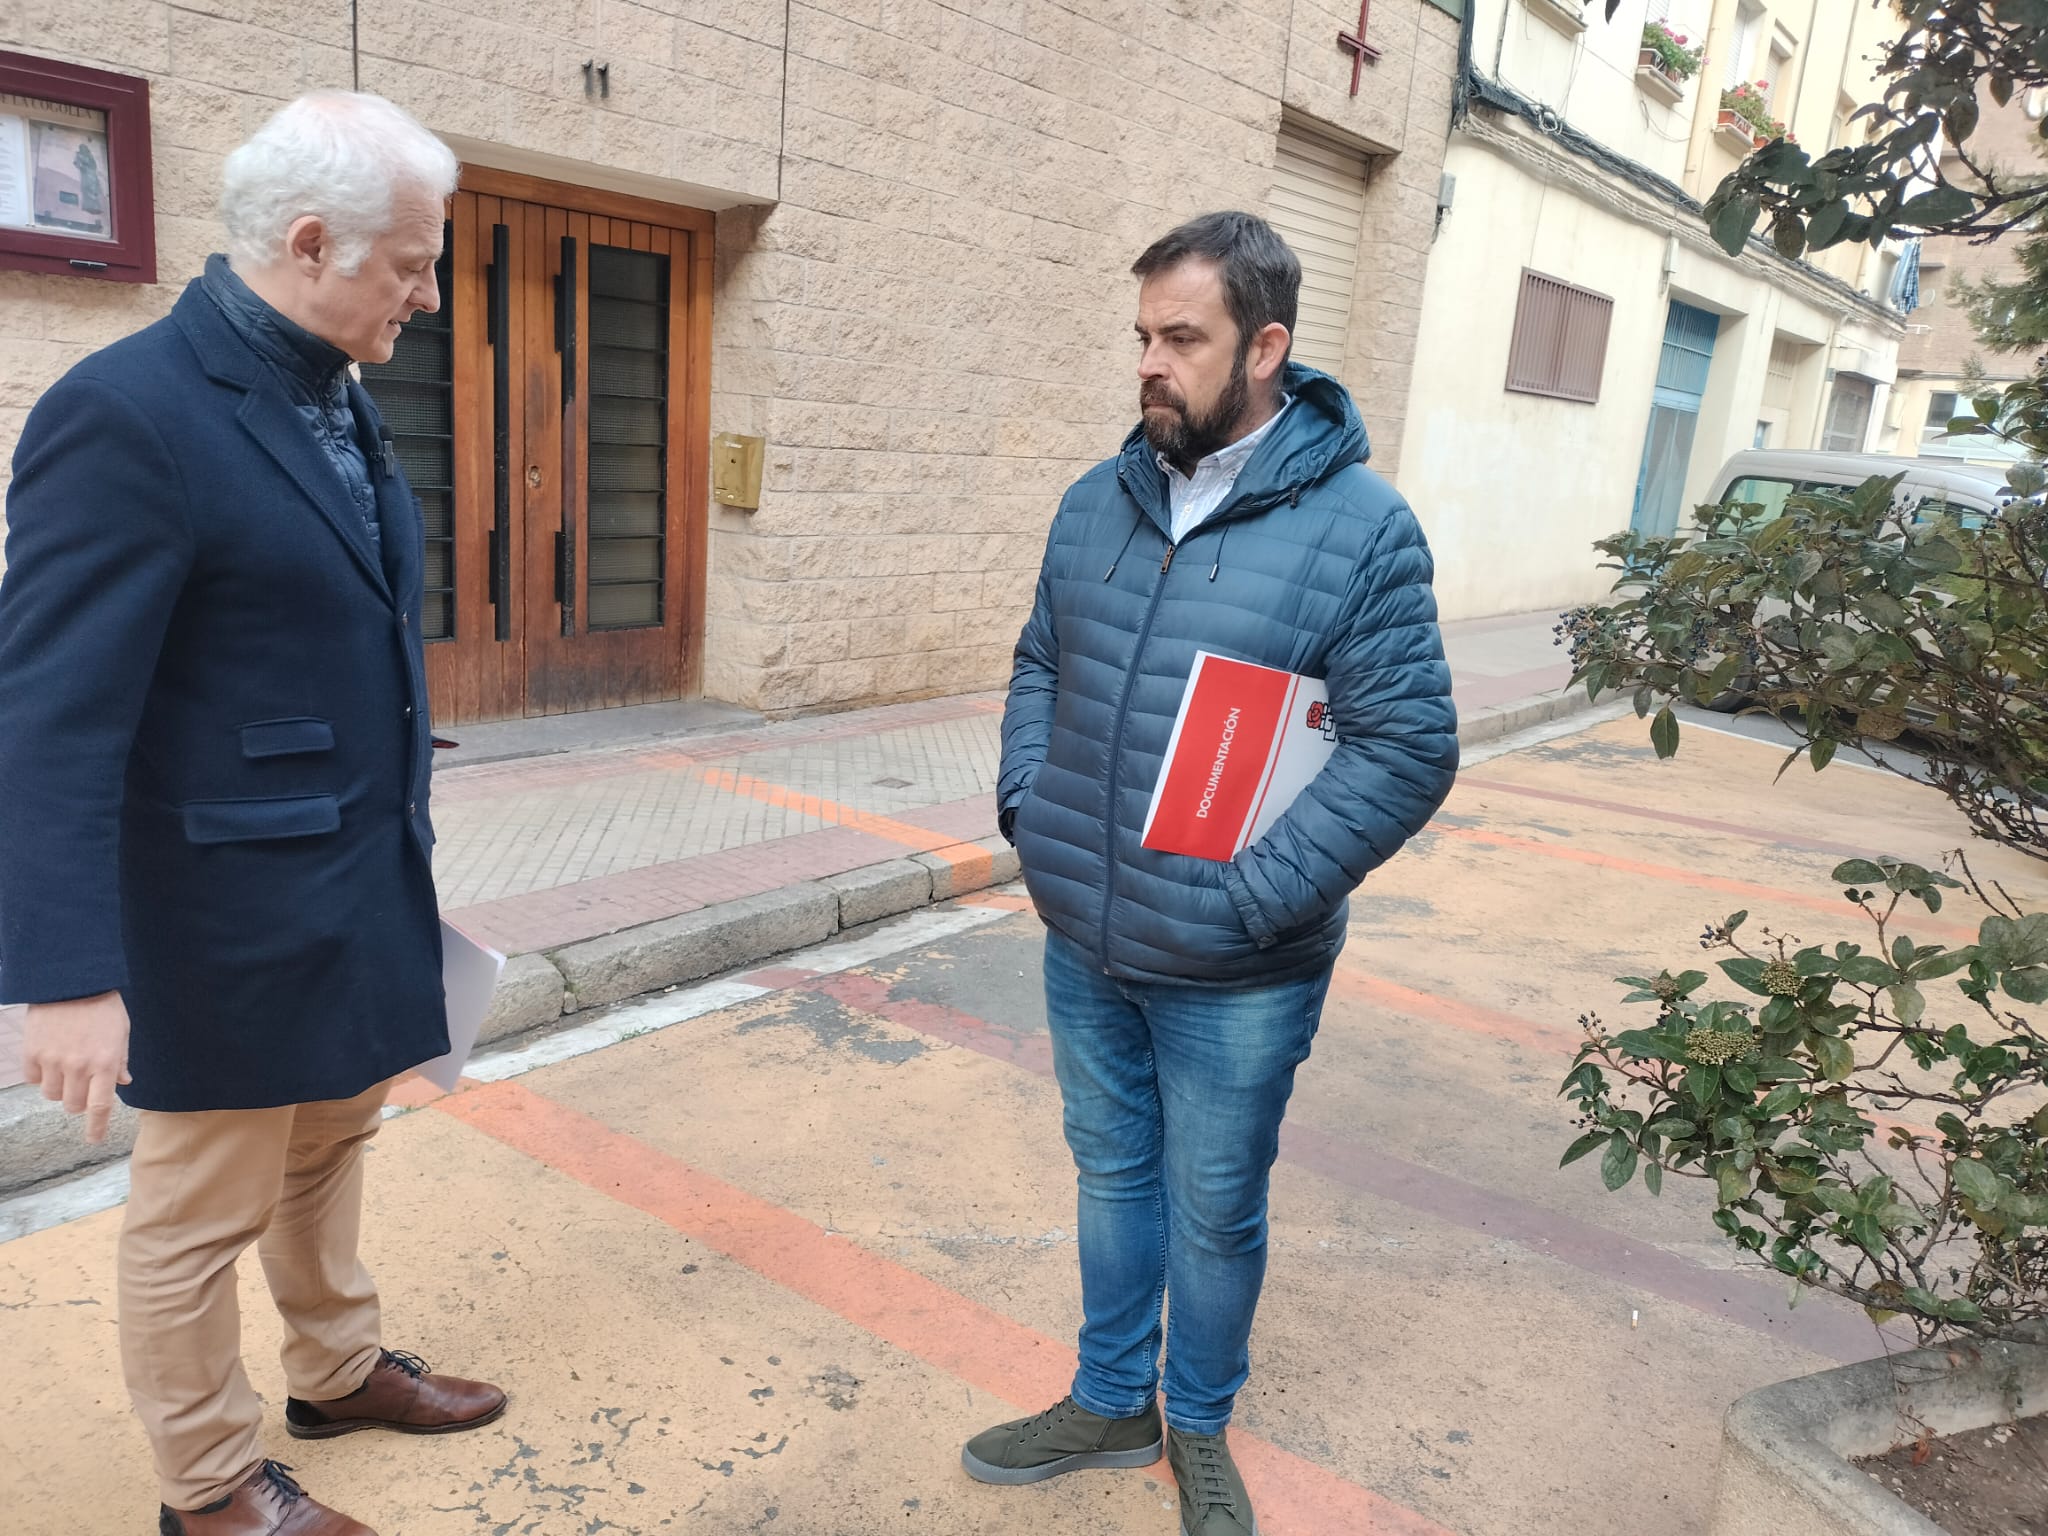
{"x": 1768, "y": 476}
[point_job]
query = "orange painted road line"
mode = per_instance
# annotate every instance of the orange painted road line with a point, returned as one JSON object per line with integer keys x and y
{"x": 413, "y": 1092}
{"x": 998, "y": 902}
{"x": 1391, "y": 995}
{"x": 1745, "y": 889}
{"x": 923, "y": 839}
{"x": 904, "y": 1309}
{"x": 1668, "y": 818}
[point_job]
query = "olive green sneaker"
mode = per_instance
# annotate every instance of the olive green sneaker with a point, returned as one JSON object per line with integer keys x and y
{"x": 1212, "y": 1497}
{"x": 1064, "y": 1438}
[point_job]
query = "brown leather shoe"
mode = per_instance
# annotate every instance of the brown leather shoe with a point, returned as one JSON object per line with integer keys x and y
{"x": 268, "y": 1503}
{"x": 402, "y": 1395}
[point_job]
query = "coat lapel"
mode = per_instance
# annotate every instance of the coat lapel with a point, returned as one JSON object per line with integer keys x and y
{"x": 269, "y": 416}
{"x": 282, "y": 432}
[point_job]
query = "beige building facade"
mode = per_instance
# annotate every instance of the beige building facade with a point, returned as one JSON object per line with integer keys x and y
{"x": 890, "y": 239}
{"x": 1588, "y": 356}
{"x": 1941, "y": 362}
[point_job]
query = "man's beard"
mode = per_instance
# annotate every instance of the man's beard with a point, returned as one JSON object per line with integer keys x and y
{"x": 1187, "y": 437}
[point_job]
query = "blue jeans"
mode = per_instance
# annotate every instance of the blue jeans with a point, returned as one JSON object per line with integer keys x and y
{"x": 1174, "y": 1097}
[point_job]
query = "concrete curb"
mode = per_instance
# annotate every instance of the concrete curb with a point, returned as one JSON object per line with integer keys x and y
{"x": 970, "y": 867}
{"x": 651, "y": 956}
{"x": 1787, "y": 1449}
{"x": 38, "y": 1143}
{"x": 531, "y": 995}
{"x": 880, "y": 890}
{"x": 1492, "y": 724}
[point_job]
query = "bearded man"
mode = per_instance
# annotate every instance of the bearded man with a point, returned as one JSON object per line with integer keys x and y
{"x": 1183, "y": 992}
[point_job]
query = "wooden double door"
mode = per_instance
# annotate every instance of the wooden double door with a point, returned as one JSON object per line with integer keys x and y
{"x": 554, "y": 420}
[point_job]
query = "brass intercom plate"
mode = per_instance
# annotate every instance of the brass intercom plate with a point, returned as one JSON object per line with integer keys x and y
{"x": 736, "y": 470}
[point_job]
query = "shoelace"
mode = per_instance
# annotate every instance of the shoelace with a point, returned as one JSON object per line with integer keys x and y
{"x": 412, "y": 1365}
{"x": 1208, "y": 1471}
{"x": 1048, "y": 1419}
{"x": 278, "y": 1475}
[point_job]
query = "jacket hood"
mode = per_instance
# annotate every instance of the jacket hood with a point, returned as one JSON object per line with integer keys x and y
{"x": 1320, "y": 434}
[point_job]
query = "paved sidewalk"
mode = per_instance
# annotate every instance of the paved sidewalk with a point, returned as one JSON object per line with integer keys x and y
{"x": 544, "y": 851}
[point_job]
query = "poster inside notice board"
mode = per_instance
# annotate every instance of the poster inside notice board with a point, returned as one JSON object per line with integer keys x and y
{"x": 56, "y": 170}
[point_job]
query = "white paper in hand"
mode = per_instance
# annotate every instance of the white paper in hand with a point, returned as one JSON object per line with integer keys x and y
{"x": 469, "y": 976}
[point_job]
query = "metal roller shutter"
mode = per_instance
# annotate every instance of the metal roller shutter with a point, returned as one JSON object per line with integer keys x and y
{"x": 1318, "y": 205}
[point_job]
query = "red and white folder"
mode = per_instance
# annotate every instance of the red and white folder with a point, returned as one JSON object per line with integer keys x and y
{"x": 1247, "y": 740}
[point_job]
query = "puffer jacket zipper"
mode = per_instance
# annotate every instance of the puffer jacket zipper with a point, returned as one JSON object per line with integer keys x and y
{"x": 1112, "y": 820}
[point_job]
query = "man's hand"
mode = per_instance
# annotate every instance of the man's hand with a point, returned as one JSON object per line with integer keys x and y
{"x": 78, "y": 1051}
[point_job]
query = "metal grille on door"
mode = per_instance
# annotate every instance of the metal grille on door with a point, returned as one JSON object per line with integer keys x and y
{"x": 415, "y": 394}
{"x": 628, "y": 436}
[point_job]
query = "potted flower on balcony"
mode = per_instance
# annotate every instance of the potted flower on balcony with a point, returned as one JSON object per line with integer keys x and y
{"x": 1666, "y": 52}
{"x": 1746, "y": 116}
{"x": 1666, "y": 63}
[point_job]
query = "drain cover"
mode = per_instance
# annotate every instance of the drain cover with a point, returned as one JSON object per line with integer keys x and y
{"x": 892, "y": 783}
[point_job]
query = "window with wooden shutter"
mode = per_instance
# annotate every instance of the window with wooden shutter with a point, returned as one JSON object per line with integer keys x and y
{"x": 415, "y": 394}
{"x": 628, "y": 437}
{"x": 1749, "y": 26}
{"x": 1780, "y": 373}
{"x": 1560, "y": 340}
{"x": 1778, "y": 63}
{"x": 1848, "y": 424}
{"x": 1318, "y": 205}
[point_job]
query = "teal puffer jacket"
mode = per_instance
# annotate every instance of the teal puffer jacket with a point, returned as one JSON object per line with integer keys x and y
{"x": 1314, "y": 565}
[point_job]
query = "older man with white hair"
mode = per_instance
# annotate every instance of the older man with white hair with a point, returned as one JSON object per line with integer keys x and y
{"x": 216, "y": 890}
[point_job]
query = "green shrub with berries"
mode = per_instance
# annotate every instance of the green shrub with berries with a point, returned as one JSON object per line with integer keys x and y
{"x": 1870, "y": 1114}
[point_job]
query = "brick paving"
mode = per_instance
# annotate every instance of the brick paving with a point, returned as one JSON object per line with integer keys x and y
{"x": 1502, "y": 661}
{"x": 538, "y": 852}
{"x": 509, "y": 831}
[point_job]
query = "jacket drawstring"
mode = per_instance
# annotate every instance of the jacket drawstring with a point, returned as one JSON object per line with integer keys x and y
{"x": 1119, "y": 560}
{"x": 1225, "y": 539}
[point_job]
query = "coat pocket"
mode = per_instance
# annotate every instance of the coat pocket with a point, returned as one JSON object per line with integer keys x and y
{"x": 287, "y": 738}
{"x": 253, "y": 821}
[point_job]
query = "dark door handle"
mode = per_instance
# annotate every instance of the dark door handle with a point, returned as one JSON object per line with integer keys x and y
{"x": 566, "y": 289}
{"x": 565, "y": 318}
{"x": 499, "y": 282}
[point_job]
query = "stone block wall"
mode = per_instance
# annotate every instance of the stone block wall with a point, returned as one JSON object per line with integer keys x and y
{"x": 927, "y": 214}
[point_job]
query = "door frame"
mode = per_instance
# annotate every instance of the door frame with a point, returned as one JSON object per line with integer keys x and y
{"x": 689, "y": 437}
{"x": 1664, "y": 397}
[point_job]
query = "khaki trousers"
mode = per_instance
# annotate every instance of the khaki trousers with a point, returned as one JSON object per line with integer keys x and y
{"x": 203, "y": 1187}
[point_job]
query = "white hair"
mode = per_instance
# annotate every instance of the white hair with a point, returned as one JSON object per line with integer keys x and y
{"x": 340, "y": 156}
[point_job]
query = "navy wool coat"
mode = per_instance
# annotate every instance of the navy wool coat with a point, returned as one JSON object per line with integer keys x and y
{"x": 214, "y": 745}
{"x": 1313, "y": 565}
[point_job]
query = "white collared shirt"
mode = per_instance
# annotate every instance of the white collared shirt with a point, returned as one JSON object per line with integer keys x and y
{"x": 1194, "y": 498}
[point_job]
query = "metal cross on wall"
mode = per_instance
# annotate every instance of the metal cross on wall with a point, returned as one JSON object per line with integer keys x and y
{"x": 1354, "y": 43}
